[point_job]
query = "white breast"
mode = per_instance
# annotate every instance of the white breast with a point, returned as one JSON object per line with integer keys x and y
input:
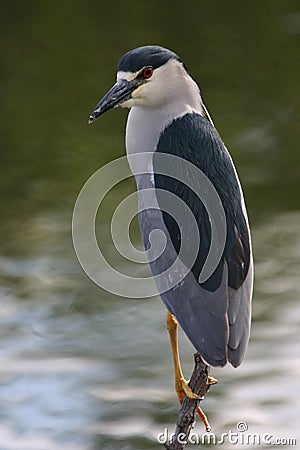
{"x": 143, "y": 130}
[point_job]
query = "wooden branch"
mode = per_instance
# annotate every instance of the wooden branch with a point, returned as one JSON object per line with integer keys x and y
{"x": 188, "y": 411}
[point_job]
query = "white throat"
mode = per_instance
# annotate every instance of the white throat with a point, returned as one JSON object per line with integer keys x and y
{"x": 171, "y": 94}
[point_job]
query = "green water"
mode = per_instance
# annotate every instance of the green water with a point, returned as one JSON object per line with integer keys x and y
{"x": 80, "y": 368}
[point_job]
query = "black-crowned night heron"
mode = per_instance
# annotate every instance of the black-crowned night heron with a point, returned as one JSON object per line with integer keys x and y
{"x": 168, "y": 116}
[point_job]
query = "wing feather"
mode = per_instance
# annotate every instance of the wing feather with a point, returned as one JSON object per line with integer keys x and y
{"x": 216, "y": 314}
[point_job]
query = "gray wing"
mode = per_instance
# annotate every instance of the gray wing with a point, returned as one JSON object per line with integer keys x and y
{"x": 239, "y": 319}
{"x": 215, "y": 315}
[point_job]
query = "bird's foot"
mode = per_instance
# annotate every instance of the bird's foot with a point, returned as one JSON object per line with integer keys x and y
{"x": 204, "y": 419}
{"x": 183, "y": 389}
{"x": 211, "y": 380}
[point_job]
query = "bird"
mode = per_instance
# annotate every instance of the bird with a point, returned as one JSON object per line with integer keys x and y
{"x": 168, "y": 117}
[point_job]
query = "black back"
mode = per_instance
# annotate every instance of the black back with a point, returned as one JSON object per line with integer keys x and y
{"x": 193, "y": 138}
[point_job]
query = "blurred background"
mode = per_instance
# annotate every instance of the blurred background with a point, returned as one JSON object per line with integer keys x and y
{"x": 80, "y": 368}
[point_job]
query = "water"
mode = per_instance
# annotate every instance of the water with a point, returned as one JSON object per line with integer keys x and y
{"x": 80, "y": 368}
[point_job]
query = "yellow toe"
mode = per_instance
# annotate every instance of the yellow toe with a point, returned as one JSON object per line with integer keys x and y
{"x": 211, "y": 380}
{"x": 188, "y": 391}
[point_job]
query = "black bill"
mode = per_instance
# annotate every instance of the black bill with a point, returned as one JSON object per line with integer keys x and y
{"x": 119, "y": 93}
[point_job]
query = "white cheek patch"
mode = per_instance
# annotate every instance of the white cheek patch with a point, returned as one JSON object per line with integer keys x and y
{"x": 138, "y": 92}
{"x": 127, "y": 104}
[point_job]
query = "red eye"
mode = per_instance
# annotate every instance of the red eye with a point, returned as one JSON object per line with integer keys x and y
{"x": 147, "y": 72}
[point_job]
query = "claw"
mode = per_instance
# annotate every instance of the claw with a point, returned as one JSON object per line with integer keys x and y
{"x": 181, "y": 385}
{"x": 184, "y": 389}
{"x": 204, "y": 419}
{"x": 188, "y": 391}
{"x": 211, "y": 380}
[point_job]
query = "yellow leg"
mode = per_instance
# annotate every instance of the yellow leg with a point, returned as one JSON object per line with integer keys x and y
{"x": 181, "y": 385}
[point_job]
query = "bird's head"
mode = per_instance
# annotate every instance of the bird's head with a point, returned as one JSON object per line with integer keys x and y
{"x": 149, "y": 76}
